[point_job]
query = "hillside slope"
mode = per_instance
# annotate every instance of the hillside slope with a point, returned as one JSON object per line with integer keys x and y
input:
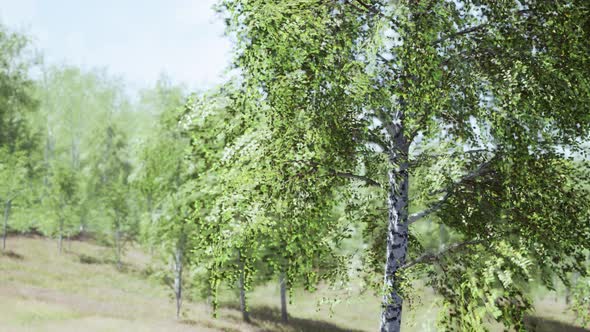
{"x": 80, "y": 290}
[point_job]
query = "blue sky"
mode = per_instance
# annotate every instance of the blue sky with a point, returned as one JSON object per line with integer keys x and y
{"x": 136, "y": 39}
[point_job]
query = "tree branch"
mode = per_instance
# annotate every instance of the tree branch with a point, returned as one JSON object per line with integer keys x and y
{"x": 348, "y": 175}
{"x": 447, "y": 193}
{"x": 168, "y": 282}
{"x": 422, "y": 158}
{"x": 434, "y": 257}
{"x": 368, "y": 181}
{"x": 461, "y": 33}
{"x": 424, "y": 213}
{"x": 474, "y": 28}
{"x": 480, "y": 170}
{"x": 371, "y": 10}
{"x": 386, "y": 122}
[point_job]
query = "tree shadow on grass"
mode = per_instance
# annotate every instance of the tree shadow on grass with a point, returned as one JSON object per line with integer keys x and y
{"x": 538, "y": 324}
{"x": 13, "y": 255}
{"x": 272, "y": 315}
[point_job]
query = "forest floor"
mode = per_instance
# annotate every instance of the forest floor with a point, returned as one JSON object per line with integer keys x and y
{"x": 81, "y": 290}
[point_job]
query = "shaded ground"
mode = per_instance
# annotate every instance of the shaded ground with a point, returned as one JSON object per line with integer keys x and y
{"x": 265, "y": 316}
{"x": 536, "y": 324}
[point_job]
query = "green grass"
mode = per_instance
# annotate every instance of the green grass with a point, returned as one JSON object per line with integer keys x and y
{"x": 81, "y": 290}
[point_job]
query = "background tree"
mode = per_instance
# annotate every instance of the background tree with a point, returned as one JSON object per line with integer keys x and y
{"x": 17, "y": 101}
{"x": 62, "y": 203}
{"x": 76, "y": 104}
{"x": 161, "y": 152}
{"x": 252, "y": 228}
{"x": 111, "y": 170}
{"x": 13, "y": 176}
{"x": 18, "y": 139}
{"x": 163, "y": 180}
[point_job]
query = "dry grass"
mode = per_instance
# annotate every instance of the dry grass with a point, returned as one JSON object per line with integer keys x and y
{"x": 81, "y": 290}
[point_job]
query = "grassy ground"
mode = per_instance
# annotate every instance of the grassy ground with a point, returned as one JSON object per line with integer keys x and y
{"x": 81, "y": 290}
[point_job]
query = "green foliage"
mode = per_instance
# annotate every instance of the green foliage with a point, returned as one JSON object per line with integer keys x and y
{"x": 17, "y": 102}
{"x": 482, "y": 106}
{"x": 79, "y": 116}
{"x": 62, "y": 202}
{"x": 110, "y": 173}
{"x": 348, "y": 119}
{"x": 581, "y": 301}
{"x": 18, "y": 139}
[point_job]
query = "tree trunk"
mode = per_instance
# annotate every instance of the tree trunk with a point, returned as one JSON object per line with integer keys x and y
{"x": 60, "y": 235}
{"x": 5, "y": 228}
{"x": 442, "y": 237}
{"x": 397, "y": 230}
{"x": 82, "y": 225}
{"x": 568, "y": 293}
{"x": 150, "y": 211}
{"x": 245, "y": 313}
{"x": 178, "y": 266}
{"x": 555, "y": 287}
{"x": 118, "y": 248}
{"x": 150, "y": 208}
{"x": 283, "y": 286}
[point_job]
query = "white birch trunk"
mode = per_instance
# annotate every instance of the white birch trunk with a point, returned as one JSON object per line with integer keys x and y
{"x": 178, "y": 266}
{"x": 5, "y": 227}
{"x": 118, "y": 246}
{"x": 397, "y": 231}
{"x": 245, "y": 313}
{"x": 283, "y": 286}
{"x": 60, "y": 235}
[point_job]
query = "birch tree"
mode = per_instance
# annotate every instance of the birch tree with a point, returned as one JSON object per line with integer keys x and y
{"x": 161, "y": 155}
{"x": 252, "y": 217}
{"x": 63, "y": 196}
{"x": 110, "y": 173}
{"x": 13, "y": 179}
{"x": 165, "y": 182}
{"x": 19, "y": 142}
{"x": 468, "y": 108}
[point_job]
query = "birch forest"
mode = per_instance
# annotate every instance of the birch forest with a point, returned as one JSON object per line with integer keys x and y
{"x": 365, "y": 165}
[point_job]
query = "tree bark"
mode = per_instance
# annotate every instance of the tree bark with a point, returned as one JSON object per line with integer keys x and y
{"x": 397, "y": 232}
{"x": 118, "y": 246}
{"x": 568, "y": 292}
{"x": 243, "y": 308}
{"x": 150, "y": 211}
{"x": 60, "y": 235}
{"x": 283, "y": 286}
{"x": 5, "y": 228}
{"x": 178, "y": 267}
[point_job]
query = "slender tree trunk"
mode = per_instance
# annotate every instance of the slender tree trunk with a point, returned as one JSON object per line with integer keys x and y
{"x": 555, "y": 280}
{"x": 117, "y": 238}
{"x": 49, "y": 147}
{"x": 5, "y": 228}
{"x": 441, "y": 237}
{"x": 397, "y": 232}
{"x": 74, "y": 141}
{"x": 150, "y": 206}
{"x": 568, "y": 293}
{"x": 245, "y": 313}
{"x": 178, "y": 267}
{"x": 209, "y": 301}
{"x": 150, "y": 211}
{"x": 82, "y": 223}
{"x": 283, "y": 286}
{"x": 118, "y": 247}
{"x": 60, "y": 235}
